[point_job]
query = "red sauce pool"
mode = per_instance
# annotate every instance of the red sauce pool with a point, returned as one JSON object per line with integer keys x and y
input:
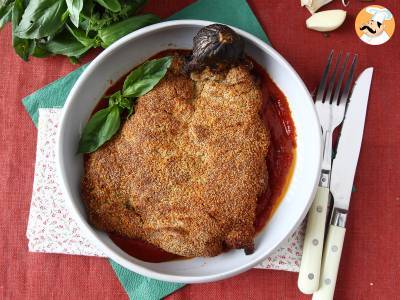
{"x": 282, "y": 154}
{"x": 280, "y": 160}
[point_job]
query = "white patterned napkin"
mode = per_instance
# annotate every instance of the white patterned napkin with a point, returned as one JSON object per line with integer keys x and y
{"x": 52, "y": 229}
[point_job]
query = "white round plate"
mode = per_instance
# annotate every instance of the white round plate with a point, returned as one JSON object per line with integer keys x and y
{"x": 119, "y": 59}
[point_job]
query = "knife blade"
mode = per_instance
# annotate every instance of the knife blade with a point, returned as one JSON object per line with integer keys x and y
{"x": 343, "y": 170}
{"x": 345, "y": 163}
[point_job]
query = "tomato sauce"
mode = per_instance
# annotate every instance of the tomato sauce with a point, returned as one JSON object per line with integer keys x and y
{"x": 282, "y": 149}
{"x": 280, "y": 160}
{"x": 142, "y": 250}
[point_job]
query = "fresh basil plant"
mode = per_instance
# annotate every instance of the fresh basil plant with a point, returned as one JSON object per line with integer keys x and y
{"x": 70, "y": 27}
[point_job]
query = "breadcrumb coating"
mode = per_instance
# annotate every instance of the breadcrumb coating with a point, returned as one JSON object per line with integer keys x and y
{"x": 185, "y": 171}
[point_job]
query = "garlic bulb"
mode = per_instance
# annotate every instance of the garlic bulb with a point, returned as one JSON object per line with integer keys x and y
{"x": 327, "y": 20}
{"x": 314, "y": 5}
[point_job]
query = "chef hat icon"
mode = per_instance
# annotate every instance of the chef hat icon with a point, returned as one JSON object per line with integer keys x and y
{"x": 379, "y": 14}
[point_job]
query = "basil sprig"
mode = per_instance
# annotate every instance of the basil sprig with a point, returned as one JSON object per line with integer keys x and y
{"x": 104, "y": 124}
{"x": 70, "y": 27}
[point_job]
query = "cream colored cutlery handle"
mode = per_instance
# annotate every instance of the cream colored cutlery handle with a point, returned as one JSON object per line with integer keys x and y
{"x": 330, "y": 263}
{"x": 310, "y": 267}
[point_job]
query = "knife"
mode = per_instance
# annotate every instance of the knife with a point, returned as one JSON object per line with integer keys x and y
{"x": 343, "y": 170}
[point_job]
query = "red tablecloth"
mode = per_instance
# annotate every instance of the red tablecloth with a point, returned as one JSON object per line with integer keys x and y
{"x": 370, "y": 267}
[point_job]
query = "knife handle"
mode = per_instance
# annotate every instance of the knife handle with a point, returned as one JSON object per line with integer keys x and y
{"x": 330, "y": 263}
{"x": 310, "y": 267}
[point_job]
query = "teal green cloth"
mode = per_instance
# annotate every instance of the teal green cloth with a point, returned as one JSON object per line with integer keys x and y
{"x": 141, "y": 287}
{"x": 52, "y": 95}
{"x": 236, "y": 13}
{"x": 232, "y": 12}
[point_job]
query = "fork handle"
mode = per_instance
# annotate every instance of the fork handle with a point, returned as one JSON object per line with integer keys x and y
{"x": 310, "y": 267}
{"x": 330, "y": 263}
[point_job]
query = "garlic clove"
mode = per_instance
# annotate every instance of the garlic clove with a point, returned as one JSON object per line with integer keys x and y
{"x": 314, "y": 5}
{"x": 327, "y": 20}
{"x": 306, "y": 2}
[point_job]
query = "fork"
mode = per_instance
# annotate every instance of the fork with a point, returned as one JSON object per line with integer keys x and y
{"x": 330, "y": 103}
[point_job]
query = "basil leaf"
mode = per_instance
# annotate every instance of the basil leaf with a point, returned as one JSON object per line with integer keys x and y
{"x": 116, "y": 31}
{"x": 146, "y": 76}
{"x": 21, "y": 46}
{"x": 41, "y": 18}
{"x": 38, "y": 50}
{"x": 73, "y": 60}
{"x": 66, "y": 44}
{"x": 4, "y": 3}
{"x": 5, "y": 14}
{"x": 84, "y": 24}
{"x": 81, "y": 36}
{"x": 112, "y": 5}
{"x": 87, "y": 9}
{"x": 100, "y": 128}
{"x": 74, "y": 8}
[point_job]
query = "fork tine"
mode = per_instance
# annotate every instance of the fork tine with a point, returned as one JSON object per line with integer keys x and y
{"x": 332, "y": 79}
{"x": 339, "y": 83}
{"x": 322, "y": 85}
{"x": 346, "y": 91}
